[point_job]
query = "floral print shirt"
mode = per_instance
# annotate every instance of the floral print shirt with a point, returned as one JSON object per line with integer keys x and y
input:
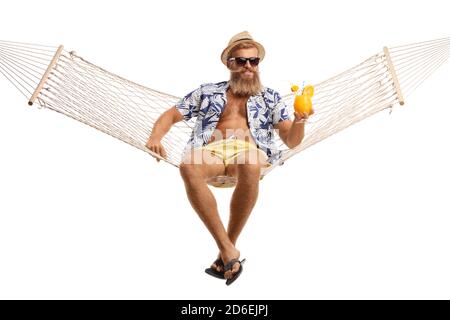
{"x": 264, "y": 110}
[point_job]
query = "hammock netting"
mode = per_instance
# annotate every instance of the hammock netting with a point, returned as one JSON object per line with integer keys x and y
{"x": 66, "y": 83}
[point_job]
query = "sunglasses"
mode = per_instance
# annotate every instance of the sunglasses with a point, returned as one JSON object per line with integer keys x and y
{"x": 240, "y": 61}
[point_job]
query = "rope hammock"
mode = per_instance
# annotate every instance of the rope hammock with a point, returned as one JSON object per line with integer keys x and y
{"x": 66, "y": 83}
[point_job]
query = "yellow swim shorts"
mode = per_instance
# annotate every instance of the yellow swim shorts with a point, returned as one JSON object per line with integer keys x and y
{"x": 231, "y": 148}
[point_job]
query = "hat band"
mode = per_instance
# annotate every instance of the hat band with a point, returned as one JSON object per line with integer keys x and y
{"x": 244, "y": 39}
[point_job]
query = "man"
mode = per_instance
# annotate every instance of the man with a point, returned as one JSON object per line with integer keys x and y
{"x": 233, "y": 136}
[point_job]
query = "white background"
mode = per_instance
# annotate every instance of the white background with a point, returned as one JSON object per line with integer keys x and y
{"x": 364, "y": 214}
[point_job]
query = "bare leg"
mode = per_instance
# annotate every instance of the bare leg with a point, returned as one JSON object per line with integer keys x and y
{"x": 243, "y": 199}
{"x": 203, "y": 201}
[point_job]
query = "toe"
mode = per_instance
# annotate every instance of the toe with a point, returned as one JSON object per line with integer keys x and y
{"x": 230, "y": 273}
{"x": 216, "y": 266}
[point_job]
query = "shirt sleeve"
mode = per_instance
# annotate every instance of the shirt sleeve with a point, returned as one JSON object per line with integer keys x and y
{"x": 280, "y": 111}
{"x": 189, "y": 106}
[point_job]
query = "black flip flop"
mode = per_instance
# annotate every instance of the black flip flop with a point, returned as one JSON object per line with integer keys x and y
{"x": 214, "y": 272}
{"x": 229, "y": 266}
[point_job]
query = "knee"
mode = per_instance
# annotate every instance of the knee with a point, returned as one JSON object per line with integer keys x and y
{"x": 188, "y": 171}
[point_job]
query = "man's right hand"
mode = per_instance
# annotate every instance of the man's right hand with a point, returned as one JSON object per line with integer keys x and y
{"x": 156, "y": 146}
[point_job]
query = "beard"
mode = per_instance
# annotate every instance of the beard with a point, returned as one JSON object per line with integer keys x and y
{"x": 243, "y": 87}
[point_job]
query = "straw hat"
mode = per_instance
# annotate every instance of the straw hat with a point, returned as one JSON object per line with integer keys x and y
{"x": 238, "y": 39}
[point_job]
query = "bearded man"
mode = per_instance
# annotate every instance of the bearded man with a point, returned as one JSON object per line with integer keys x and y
{"x": 233, "y": 136}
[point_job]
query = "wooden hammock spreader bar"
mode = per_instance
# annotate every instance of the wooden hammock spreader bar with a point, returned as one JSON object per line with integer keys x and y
{"x": 391, "y": 69}
{"x": 46, "y": 74}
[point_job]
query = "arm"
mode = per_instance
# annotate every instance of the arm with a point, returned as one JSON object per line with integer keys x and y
{"x": 186, "y": 108}
{"x": 161, "y": 127}
{"x": 292, "y": 132}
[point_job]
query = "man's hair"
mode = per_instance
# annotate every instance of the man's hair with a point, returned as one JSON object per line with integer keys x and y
{"x": 244, "y": 45}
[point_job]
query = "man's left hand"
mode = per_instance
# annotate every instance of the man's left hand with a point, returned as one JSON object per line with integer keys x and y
{"x": 301, "y": 117}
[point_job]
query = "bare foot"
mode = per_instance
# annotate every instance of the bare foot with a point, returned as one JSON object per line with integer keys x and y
{"x": 218, "y": 264}
{"x": 227, "y": 256}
